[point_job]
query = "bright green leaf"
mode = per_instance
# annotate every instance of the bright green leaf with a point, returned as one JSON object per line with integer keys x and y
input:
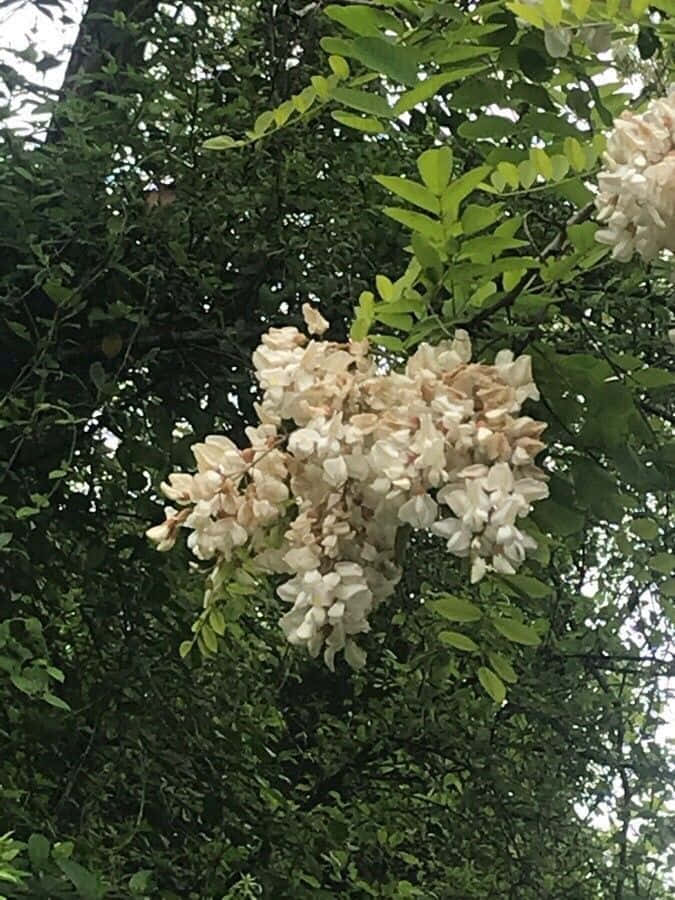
{"x": 476, "y": 218}
{"x": 339, "y": 66}
{"x": 457, "y": 640}
{"x": 363, "y": 101}
{"x": 435, "y": 167}
{"x": 409, "y": 190}
{"x": 492, "y": 684}
{"x": 516, "y": 631}
{"x": 503, "y": 667}
{"x": 367, "y": 124}
{"x": 455, "y": 608}
{"x": 416, "y": 222}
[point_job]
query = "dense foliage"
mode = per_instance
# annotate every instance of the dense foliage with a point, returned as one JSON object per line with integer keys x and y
{"x": 139, "y": 271}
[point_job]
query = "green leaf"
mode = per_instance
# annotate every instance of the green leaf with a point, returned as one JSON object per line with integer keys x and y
{"x": 457, "y": 640}
{"x": 222, "y": 142}
{"x": 63, "y": 849}
{"x": 527, "y": 173}
{"x": 429, "y": 88}
{"x": 97, "y": 375}
{"x": 459, "y": 189}
{"x": 427, "y": 255}
{"x": 527, "y": 13}
{"x": 368, "y": 124}
{"x": 575, "y": 154}
{"x": 542, "y": 162}
{"x": 5, "y": 538}
{"x": 217, "y": 622}
{"x": 263, "y": 122}
{"x": 140, "y": 881}
{"x": 53, "y": 700}
{"x": 336, "y": 46}
{"x": 435, "y": 167}
{"x": 455, "y": 608}
{"x": 503, "y": 667}
{"x": 647, "y": 529}
{"x": 283, "y": 112}
{"x": 662, "y": 562}
{"x": 653, "y": 378}
{"x": 26, "y": 685}
{"x": 476, "y": 218}
{"x": 416, "y": 222}
{"x": 388, "y": 341}
{"x": 394, "y": 320}
{"x": 557, "y": 519}
{"x": 529, "y": 586}
{"x": 509, "y": 173}
{"x": 557, "y": 41}
{"x": 209, "y": 638}
{"x": 582, "y": 236}
{"x": 339, "y": 66}
{"x": 360, "y": 328}
{"x": 38, "y": 851}
{"x": 492, "y": 684}
{"x": 516, "y": 631}
{"x": 487, "y": 246}
{"x": 493, "y": 127}
{"x": 552, "y": 10}
{"x": 321, "y": 86}
{"x": 384, "y": 287}
{"x": 393, "y": 60}
{"x": 85, "y": 882}
{"x": 303, "y": 101}
{"x": 184, "y": 649}
{"x": 362, "y": 20}
{"x": 560, "y": 166}
{"x": 409, "y": 190}
{"x": 462, "y": 52}
{"x": 363, "y": 101}
{"x": 483, "y": 293}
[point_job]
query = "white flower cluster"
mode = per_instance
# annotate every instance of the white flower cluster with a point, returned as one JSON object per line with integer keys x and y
{"x": 344, "y": 455}
{"x": 636, "y": 197}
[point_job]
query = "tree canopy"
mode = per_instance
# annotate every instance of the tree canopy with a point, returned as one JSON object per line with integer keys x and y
{"x": 409, "y": 168}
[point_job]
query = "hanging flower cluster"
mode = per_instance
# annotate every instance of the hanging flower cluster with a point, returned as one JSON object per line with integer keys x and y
{"x": 636, "y": 197}
{"x": 344, "y": 455}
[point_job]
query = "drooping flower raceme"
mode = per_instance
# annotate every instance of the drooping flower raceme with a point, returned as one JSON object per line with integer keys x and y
{"x": 344, "y": 455}
{"x": 636, "y": 197}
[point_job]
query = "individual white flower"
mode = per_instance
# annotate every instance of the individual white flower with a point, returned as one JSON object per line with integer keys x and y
{"x": 335, "y": 471}
{"x": 301, "y": 559}
{"x": 478, "y": 569}
{"x": 354, "y": 655}
{"x": 164, "y": 535}
{"x": 303, "y": 442}
{"x": 458, "y": 533}
{"x": 316, "y": 324}
{"x": 461, "y": 345}
{"x": 179, "y": 488}
{"x": 420, "y": 511}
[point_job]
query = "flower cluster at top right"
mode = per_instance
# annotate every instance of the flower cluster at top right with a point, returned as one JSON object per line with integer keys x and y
{"x": 636, "y": 197}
